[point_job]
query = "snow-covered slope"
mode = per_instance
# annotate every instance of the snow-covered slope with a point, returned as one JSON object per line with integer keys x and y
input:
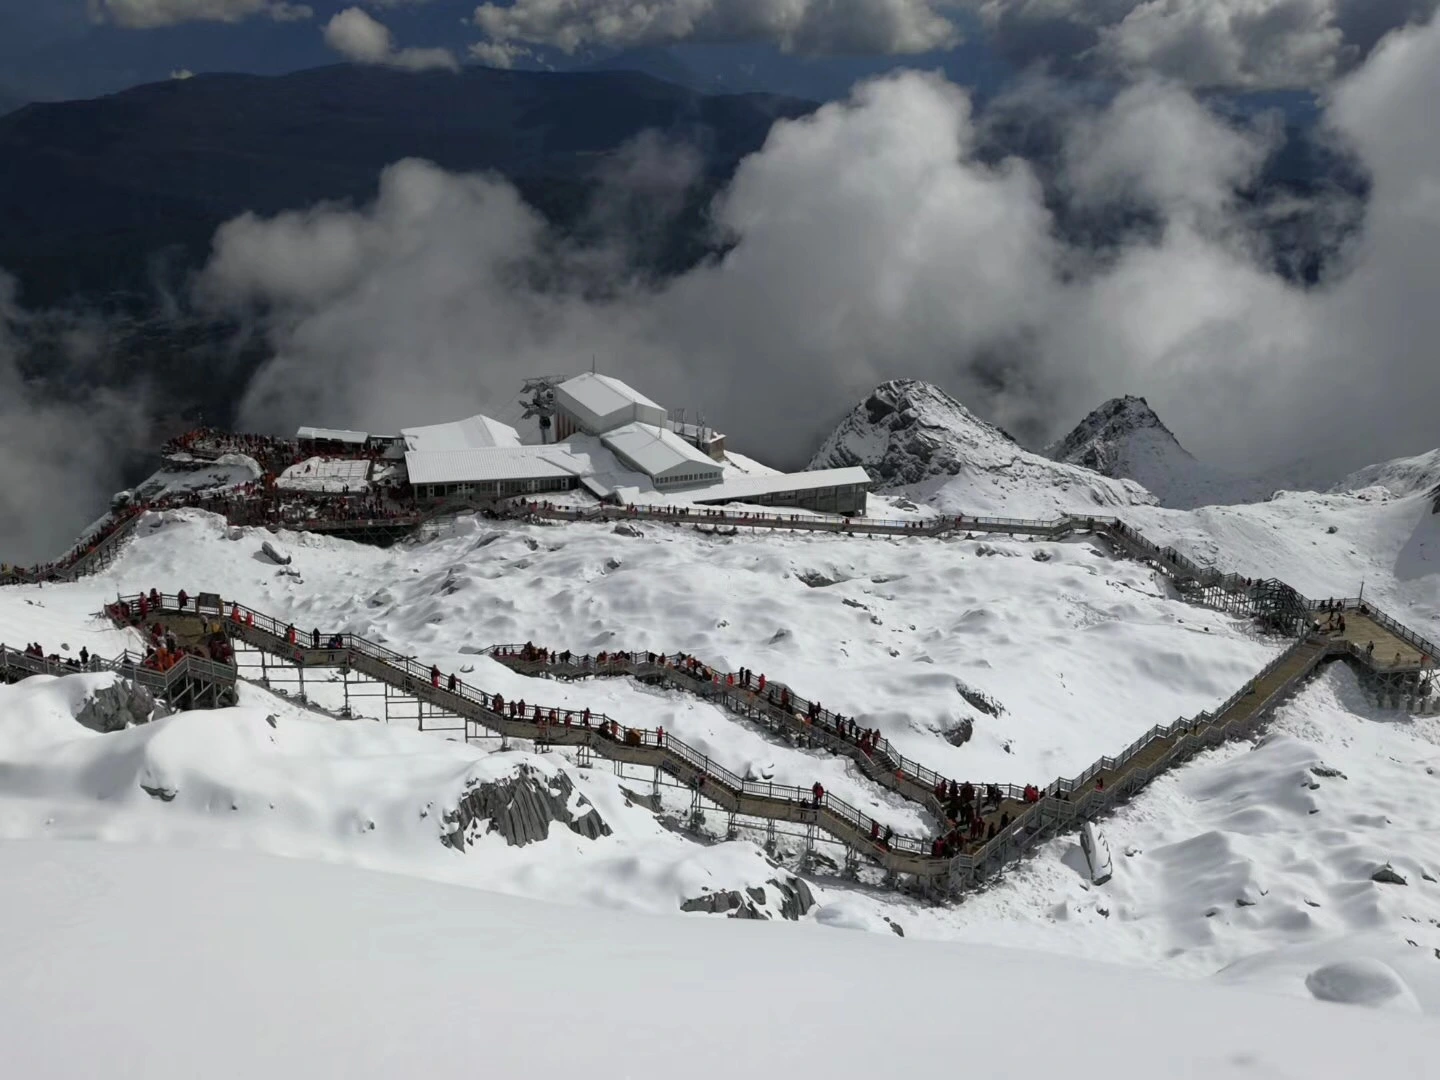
{"x": 242, "y": 966}
{"x": 1402, "y": 476}
{"x": 1084, "y": 652}
{"x": 1125, "y": 440}
{"x": 915, "y": 438}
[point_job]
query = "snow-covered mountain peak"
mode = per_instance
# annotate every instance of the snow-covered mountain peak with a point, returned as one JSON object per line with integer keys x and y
{"x": 1102, "y": 439}
{"x": 913, "y": 435}
{"x": 1124, "y": 439}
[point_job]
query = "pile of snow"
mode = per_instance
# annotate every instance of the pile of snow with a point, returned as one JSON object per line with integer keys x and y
{"x": 1125, "y": 440}
{"x": 250, "y": 966}
{"x": 913, "y": 437}
{"x": 334, "y": 475}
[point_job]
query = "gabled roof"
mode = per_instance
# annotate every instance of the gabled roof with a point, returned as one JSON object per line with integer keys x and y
{"x": 656, "y": 450}
{"x": 603, "y": 394}
{"x": 478, "y": 432}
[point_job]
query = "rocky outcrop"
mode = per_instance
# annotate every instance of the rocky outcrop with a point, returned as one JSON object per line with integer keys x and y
{"x": 1124, "y": 440}
{"x": 120, "y": 705}
{"x": 521, "y": 807}
{"x": 789, "y": 898}
{"x": 908, "y": 432}
{"x": 1388, "y": 875}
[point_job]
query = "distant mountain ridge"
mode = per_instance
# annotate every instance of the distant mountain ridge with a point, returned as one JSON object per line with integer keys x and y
{"x": 91, "y": 191}
{"x": 916, "y": 439}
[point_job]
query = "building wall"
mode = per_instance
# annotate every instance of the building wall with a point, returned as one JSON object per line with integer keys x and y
{"x": 843, "y": 499}
{"x": 485, "y": 489}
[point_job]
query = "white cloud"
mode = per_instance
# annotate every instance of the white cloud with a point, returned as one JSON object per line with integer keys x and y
{"x": 148, "y": 14}
{"x": 869, "y": 242}
{"x": 181, "y": 74}
{"x": 803, "y": 26}
{"x": 1252, "y": 44}
{"x": 1229, "y": 42}
{"x": 1159, "y": 145}
{"x": 358, "y": 36}
{"x": 498, "y": 54}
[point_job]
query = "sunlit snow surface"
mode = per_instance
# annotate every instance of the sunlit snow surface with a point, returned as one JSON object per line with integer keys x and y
{"x": 1235, "y": 865}
{"x": 161, "y": 963}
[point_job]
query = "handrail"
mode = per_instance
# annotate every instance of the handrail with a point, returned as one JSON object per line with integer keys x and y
{"x": 898, "y": 853}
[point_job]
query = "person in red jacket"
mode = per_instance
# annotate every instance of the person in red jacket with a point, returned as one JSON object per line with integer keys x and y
{"x": 435, "y": 675}
{"x": 819, "y": 792}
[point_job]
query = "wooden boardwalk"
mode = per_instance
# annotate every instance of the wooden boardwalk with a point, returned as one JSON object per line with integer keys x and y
{"x": 943, "y": 864}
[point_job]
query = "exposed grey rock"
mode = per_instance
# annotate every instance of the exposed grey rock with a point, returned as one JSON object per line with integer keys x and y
{"x": 794, "y": 896}
{"x": 1041, "y": 555}
{"x": 896, "y": 927}
{"x": 1389, "y": 875}
{"x": 961, "y": 732}
{"x": 984, "y": 702}
{"x": 520, "y": 807}
{"x": 164, "y": 794}
{"x": 854, "y": 603}
{"x": 817, "y": 580}
{"x": 714, "y": 903}
{"x": 796, "y": 899}
{"x": 627, "y": 530}
{"x": 1328, "y": 772}
{"x": 118, "y": 706}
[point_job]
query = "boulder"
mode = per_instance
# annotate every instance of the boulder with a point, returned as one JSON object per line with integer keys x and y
{"x": 1389, "y": 875}
{"x": 627, "y": 530}
{"x": 520, "y": 807}
{"x": 961, "y": 732}
{"x": 115, "y": 707}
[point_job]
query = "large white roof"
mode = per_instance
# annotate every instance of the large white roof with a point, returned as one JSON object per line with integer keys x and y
{"x": 750, "y": 487}
{"x": 478, "y": 432}
{"x": 324, "y": 434}
{"x": 603, "y": 394}
{"x": 656, "y": 450}
{"x": 501, "y": 463}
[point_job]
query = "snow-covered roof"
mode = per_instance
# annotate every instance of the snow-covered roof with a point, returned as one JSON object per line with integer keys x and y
{"x": 321, "y": 434}
{"x": 750, "y": 487}
{"x": 499, "y": 463}
{"x": 478, "y": 432}
{"x": 656, "y": 451}
{"x": 603, "y": 394}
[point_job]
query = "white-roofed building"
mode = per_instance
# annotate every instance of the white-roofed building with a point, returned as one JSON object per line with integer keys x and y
{"x": 595, "y": 404}
{"x": 478, "y": 432}
{"x": 492, "y": 472}
{"x": 830, "y": 491}
{"x": 662, "y": 455}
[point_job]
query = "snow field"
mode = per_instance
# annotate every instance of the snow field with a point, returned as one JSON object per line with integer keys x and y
{"x": 355, "y": 793}
{"x": 1084, "y": 652}
{"x": 248, "y": 966}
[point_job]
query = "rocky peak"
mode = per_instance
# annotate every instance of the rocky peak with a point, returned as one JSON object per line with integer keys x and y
{"x": 1102, "y": 440}
{"x": 914, "y": 436}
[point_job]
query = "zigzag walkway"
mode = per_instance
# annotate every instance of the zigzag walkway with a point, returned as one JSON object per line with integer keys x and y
{"x": 936, "y": 867}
